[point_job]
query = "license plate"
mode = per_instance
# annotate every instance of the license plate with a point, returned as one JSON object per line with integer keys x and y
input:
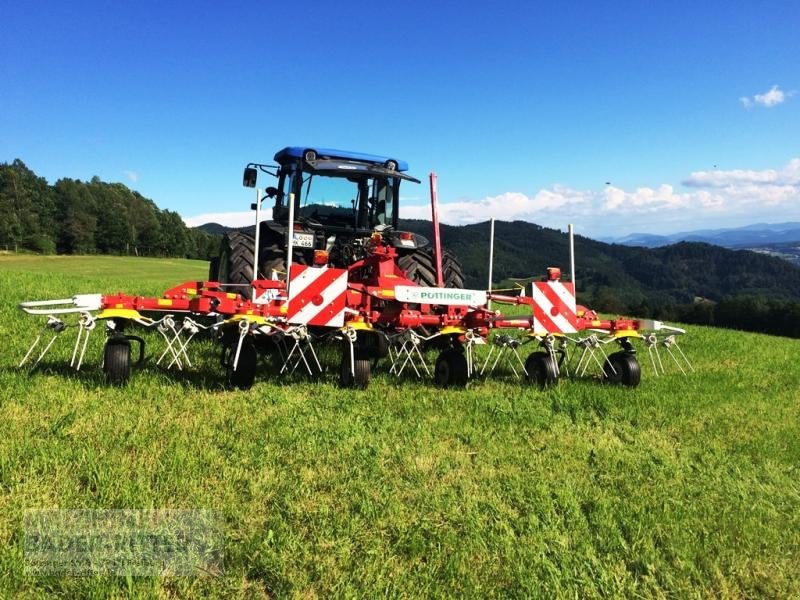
{"x": 303, "y": 240}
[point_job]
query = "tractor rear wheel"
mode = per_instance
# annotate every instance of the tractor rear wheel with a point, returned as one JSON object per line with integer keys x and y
{"x": 235, "y": 263}
{"x": 541, "y": 369}
{"x": 451, "y": 369}
{"x": 622, "y": 368}
{"x": 420, "y": 267}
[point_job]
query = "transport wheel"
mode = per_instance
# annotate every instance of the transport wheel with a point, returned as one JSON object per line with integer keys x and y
{"x": 420, "y": 267}
{"x": 622, "y": 368}
{"x": 361, "y": 367}
{"x": 117, "y": 361}
{"x": 245, "y": 373}
{"x": 542, "y": 369}
{"x": 451, "y": 369}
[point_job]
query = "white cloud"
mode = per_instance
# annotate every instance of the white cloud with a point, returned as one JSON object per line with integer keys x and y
{"x": 773, "y": 97}
{"x": 507, "y": 206}
{"x": 711, "y": 196}
{"x": 230, "y": 219}
{"x": 132, "y": 175}
{"x": 787, "y": 176}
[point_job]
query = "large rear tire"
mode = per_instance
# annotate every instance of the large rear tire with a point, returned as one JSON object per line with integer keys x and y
{"x": 420, "y": 267}
{"x": 235, "y": 265}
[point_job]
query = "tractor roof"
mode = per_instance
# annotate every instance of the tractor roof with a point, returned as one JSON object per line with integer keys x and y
{"x": 292, "y": 153}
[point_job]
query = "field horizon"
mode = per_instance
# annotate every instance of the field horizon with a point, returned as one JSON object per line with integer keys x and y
{"x": 682, "y": 487}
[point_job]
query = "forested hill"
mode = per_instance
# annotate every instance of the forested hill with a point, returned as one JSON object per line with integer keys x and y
{"x": 77, "y": 217}
{"x": 617, "y": 274}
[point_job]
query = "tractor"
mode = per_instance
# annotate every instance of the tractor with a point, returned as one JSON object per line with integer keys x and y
{"x": 341, "y": 199}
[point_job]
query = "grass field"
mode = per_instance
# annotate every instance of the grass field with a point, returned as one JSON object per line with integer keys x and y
{"x": 683, "y": 487}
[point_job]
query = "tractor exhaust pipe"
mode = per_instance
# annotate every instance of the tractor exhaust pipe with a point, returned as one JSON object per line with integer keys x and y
{"x": 437, "y": 240}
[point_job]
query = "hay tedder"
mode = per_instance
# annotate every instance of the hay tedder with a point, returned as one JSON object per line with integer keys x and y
{"x": 354, "y": 280}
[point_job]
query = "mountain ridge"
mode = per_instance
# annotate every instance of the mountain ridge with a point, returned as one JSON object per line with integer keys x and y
{"x": 615, "y": 277}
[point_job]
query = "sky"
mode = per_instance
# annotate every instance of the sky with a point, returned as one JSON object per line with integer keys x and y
{"x": 617, "y": 117}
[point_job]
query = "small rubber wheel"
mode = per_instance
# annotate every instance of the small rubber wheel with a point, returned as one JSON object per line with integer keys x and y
{"x": 117, "y": 361}
{"x": 245, "y": 373}
{"x": 451, "y": 369}
{"x": 622, "y": 368}
{"x": 541, "y": 369}
{"x": 361, "y": 367}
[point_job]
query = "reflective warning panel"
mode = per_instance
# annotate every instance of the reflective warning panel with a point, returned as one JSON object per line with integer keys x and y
{"x": 554, "y": 307}
{"x": 316, "y": 296}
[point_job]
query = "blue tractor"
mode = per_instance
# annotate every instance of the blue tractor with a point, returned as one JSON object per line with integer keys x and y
{"x": 341, "y": 198}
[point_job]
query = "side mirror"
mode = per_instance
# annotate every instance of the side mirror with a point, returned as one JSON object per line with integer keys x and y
{"x": 250, "y": 176}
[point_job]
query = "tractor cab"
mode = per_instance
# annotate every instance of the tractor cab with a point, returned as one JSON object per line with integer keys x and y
{"x": 341, "y": 201}
{"x": 338, "y": 191}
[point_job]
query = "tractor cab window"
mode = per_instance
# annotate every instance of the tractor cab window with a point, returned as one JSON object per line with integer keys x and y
{"x": 381, "y": 201}
{"x": 326, "y": 198}
{"x": 347, "y": 201}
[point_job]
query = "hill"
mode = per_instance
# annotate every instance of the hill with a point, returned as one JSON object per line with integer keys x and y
{"x": 749, "y": 236}
{"x": 90, "y": 217}
{"x": 615, "y": 277}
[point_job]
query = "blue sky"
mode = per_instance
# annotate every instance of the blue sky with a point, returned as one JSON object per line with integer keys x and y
{"x": 619, "y": 117}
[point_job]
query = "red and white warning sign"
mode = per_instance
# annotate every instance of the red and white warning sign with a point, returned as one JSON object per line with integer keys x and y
{"x": 554, "y": 307}
{"x": 316, "y": 296}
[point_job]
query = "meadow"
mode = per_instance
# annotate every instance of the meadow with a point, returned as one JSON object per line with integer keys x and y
{"x": 683, "y": 487}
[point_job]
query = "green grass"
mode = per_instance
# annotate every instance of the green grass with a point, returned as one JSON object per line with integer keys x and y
{"x": 683, "y": 487}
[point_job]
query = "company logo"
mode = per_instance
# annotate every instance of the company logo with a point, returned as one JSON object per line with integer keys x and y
{"x": 446, "y": 296}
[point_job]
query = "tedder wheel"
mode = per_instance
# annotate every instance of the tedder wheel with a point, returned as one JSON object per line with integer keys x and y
{"x": 245, "y": 373}
{"x": 451, "y": 369}
{"x": 541, "y": 369}
{"x": 622, "y": 368}
{"x": 117, "y": 360}
{"x": 361, "y": 367}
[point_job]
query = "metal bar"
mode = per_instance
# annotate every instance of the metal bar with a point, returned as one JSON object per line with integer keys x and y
{"x": 491, "y": 260}
{"x": 572, "y": 256}
{"x": 257, "y": 240}
{"x": 437, "y": 240}
{"x": 289, "y": 243}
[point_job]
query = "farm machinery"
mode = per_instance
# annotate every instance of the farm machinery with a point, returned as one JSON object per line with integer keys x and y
{"x": 357, "y": 281}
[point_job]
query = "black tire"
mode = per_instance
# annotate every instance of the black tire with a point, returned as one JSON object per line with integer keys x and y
{"x": 622, "y": 368}
{"x": 236, "y": 261}
{"x": 273, "y": 258}
{"x": 213, "y": 268}
{"x": 451, "y": 369}
{"x": 420, "y": 267}
{"x": 541, "y": 369}
{"x": 245, "y": 373}
{"x": 361, "y": 366}
{"x": 117, "y": 361}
